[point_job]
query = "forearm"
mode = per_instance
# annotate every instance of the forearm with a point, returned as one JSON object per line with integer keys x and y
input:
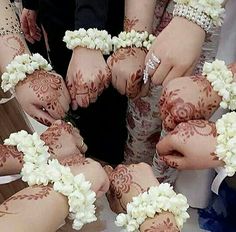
{"x": 161, "y": 222}
{"x": 12, "y": 42}
{"x": 139, "y": 15}
{"x": 11, "y": 160}
{"x": 38, "y": 209}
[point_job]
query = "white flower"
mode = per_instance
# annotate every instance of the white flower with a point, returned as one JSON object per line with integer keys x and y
{"x": 20, "y": 66}
{"x": 147, "y": 204}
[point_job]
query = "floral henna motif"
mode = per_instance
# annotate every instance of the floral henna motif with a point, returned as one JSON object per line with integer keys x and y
{"x": 52, "y": 135}
{"x": 164, "y": 226}
{"x": 16, "y": 44}
{"x": 134, "y": 84}
{"x": 46, "y": 86}
{"x": 9, "y": 151}
{"x": 43, "y": 192}
{"x": 121, "y": 180}
{"x": 171, "y": 164}
{"x": 129, "y": 23}
{"x": 104, "y": 79}
{"x": 187, "y": 129}
{"x": 122, "y": 54}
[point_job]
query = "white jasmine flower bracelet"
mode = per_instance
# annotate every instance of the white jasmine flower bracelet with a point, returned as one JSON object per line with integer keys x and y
{"x": 204, "y": 13}
{"x": 148, "y": 204}
{"x": 222, "y": 81}
{"x": 19, "y": 67}
{"x": 133, "y": 39}
{"x": 38, "y": 169}
{"x": 91, "y": 38}
{"x": 226, "y": 142}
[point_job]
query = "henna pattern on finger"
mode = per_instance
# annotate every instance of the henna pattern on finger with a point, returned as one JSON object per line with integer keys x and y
{"x": 164, "y": 226}
{"x": 15, "y": 43}
{"x": 188, "y": 129}
{"x": 134, "y": 84}
{"x": 44, "y": 121}
{"x": 104, "y": 79}
{"x": 129, "y": 23}
{"x": 52, "y": 135}
{"x": 43, "y": 192}
{"x": 74, "y": 160}
{"x": 170, "y": 163}
{"x": 7, "y": 152}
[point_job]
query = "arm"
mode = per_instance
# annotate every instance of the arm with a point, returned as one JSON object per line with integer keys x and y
{"x": 12, "y": 41}
{"x": 136, "y": 20}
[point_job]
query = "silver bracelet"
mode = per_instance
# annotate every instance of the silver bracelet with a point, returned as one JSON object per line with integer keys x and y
{"x": 193, "y": 15}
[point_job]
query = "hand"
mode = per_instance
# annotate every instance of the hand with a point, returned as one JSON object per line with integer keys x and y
{"x": 44, "y": 96}
{"x": 187, "y": 98}
{"x": 29, "y": 25}
{"x": 93, "y": 172}
{"x": 127, "y": 66}
{"x": 191, "y": 145}
{"x": 87, "y": 76}
{"x": 63, "y": 140}
{"x": 178, "y": 47}
{"x": 127, "y": 182}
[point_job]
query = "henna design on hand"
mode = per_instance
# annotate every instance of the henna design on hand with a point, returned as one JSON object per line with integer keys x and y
{"x": 164, "y": 226}
{"x": 15, "y": 43}
{"x": 9, "y": 151}
{"x": 44, "y": 121}
{"x": 134, "y": 84}
{"x": 187, "y": 129}
{"x": 170, "y": 163}
{"x": 43, "y": 192}
{"x": 121, "y": 181}
{"x": 121, "y": 54}
{"x": 52, "y": 135}
{"x": 129, "y": 23}
{"x": 74, "y": 160}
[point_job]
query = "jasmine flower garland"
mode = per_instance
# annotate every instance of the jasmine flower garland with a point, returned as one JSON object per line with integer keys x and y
{"x": 148, "y": 204}
{"x": 91, "y": 38}
{"x": 133, "y": 39}
{"x": 38, "y": 169}
{"x": 226, "y": 142}
{"x": 19, "y": 67}
{"x": 222, "y": 81}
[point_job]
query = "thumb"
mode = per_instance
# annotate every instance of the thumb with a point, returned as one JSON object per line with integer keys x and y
{"x": 175, "y": 161}
{"x": 165, "y": 146}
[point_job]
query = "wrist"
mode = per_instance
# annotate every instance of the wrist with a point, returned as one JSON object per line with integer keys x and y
{"x": 161, "y": 222}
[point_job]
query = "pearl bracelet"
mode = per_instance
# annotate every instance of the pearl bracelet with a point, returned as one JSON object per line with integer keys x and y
{"x": 205, "y": 8}
{"x": 156, "y": 200}
{"x": 91, "y": 38}
{"x": 133, "y": 39}
{"x": 39, "y": 170}
{"x": 193, "y": 15}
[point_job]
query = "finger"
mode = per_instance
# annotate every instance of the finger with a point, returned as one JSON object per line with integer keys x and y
{"x": 165, "y": 145}
{"x": 81, "y": 145}
{"x": 161, "y": 73}
{"x": 104, "y": 188}
{"x": 173, "y": 161}
{"x": 174, "y": 73}
{"x": 121, "y": 85}
{"x": 190, "y": 71}
{"x": 108, "y": 169}
{"x": 25, "y": 29}
{"x": 144, "y": 90}
{"x": 40, "y": 115}
{"x": 55, "y": 109}
{"x": 93, "y": 91}
{"x": 114, "y": 80}
{"x": 72, "y": 93}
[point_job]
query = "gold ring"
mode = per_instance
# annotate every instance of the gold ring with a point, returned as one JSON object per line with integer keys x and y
{"x": 82, "y": 144}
